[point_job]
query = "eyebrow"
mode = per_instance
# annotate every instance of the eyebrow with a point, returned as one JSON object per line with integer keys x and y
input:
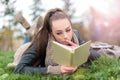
{"x": 66, "y": 28}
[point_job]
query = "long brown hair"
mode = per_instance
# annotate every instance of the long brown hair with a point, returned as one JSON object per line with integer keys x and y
{"x": 41, "y": 39}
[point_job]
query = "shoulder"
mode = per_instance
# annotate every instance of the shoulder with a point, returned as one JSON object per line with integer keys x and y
{"x": 74, "y": 30}
{"x": 81, "y": 41}
{"x": 76, "y": 33}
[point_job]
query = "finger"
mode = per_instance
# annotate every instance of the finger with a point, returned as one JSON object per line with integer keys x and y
{"x": 69, "y": 68}
{"x": 70, "y": 43}
{"x": 67, "y": 72}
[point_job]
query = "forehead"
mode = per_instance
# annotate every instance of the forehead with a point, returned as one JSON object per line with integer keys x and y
{"x": 60, "y": 24}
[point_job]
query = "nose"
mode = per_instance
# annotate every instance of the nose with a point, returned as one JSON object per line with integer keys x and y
{"x": 65, "y": 36}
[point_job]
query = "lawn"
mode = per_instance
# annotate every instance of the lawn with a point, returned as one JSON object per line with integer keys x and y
{"x": 102, "y": 69}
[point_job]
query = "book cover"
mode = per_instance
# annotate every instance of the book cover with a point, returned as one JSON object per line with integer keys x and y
{"x": 64, "y": 55}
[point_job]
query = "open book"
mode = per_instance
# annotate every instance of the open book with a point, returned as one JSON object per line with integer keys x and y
{"x": 64, "y": 55}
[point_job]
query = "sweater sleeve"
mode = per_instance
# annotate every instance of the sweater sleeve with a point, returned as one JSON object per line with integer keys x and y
{"x": 26, "y": 63}
{"x": 54, "y": 70}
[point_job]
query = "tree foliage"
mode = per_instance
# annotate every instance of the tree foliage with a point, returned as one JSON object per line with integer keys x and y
{"x": 37, "y": 9}
{"x": 7, "y": 14}
{"x": 68, "y": 8}
{"x": 6, "y": 38}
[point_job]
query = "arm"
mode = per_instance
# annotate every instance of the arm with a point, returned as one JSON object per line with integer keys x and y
{"x": 28, "y": 59}
{"x": 26, "y": 63}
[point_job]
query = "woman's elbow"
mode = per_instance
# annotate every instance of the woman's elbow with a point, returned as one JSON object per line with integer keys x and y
{"x": 19, "y": 69}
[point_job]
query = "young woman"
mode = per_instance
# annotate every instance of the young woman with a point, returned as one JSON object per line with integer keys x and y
{"x": 38, "y": 57}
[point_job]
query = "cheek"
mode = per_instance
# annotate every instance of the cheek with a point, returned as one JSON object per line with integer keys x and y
{"x": 58, "y": 38}
{"x": 70, "y": 35}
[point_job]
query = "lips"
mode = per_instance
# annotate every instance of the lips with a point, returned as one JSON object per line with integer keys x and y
{"x": 65, "y": 43}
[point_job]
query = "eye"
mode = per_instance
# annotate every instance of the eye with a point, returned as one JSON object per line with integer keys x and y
{"x": 59, "y": 33}
{"x": 68, "y": 30}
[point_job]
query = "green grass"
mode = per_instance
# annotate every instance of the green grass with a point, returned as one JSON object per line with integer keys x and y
{"x": 102, "y": 69}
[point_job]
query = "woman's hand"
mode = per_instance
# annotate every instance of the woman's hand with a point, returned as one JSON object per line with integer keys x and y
{"x": 67, "y": 70}
{"x": 71, "y": 44}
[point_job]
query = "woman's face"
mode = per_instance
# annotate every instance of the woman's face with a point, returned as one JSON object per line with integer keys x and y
{"x": 62, "y": 30}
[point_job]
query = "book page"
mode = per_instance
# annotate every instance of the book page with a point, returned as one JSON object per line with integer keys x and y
{"x": 70, "y": 57}
{"x": 81, "y": 54}
{"x": 61, "y": 55}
